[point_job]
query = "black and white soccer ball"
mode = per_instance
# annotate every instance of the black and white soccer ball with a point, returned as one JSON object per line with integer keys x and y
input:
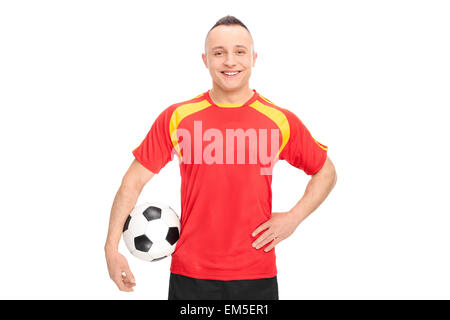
{"x": 151, "y": 231}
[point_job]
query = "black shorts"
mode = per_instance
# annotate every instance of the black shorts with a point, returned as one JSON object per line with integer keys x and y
{"x": 187, "y": 288}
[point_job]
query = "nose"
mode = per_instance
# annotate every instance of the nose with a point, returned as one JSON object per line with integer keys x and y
{"x": 229, "y": 61}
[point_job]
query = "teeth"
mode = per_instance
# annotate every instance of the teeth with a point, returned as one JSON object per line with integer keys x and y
{"x": 231, "y": 73}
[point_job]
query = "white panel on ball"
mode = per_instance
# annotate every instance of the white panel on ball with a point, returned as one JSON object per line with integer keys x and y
{"x": 128, "y": 238}
{"x": 170, "y": 218}
{"x": 156, "y": 230}
{"x": 138, "y": 225}
{"x": 160, "y": 249}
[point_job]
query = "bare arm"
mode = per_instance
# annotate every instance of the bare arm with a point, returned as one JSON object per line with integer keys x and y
{"x": 316, "y": 192}
{"x": 125, "y": 200}
{"x": 282, "y": 224}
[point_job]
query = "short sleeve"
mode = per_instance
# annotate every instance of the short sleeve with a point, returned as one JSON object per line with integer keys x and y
{"x": 302, "y": 150}
{"x": 155, "y": 151}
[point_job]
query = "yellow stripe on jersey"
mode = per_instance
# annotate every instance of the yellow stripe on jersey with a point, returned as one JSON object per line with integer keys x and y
{"x": 179, "y": 114}
{"x": 324, "y": 147}
{"x": 276, "y": 116}
{"x": 176, "y": 124}
{"x": 228, "y": 105}
{"x": 196, "y": 96}
{"x": 264, "y": 98}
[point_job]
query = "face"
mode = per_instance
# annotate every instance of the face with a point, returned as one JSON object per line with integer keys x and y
{"x": 229, "y": 49}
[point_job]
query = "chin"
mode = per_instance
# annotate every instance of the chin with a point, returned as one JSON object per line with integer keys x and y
{"x": 232, "y": 88}
{"x": 226, "y": 86}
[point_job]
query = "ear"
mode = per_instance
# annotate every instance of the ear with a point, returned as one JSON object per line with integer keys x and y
{"x": 255, "y": 55}
{"x": 205, "y": 61}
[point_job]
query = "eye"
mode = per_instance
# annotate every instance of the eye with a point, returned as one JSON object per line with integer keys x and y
{"x": 217, "y": 53}
{"x": 240, "y": 51}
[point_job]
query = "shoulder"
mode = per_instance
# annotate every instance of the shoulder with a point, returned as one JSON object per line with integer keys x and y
{"x": 273, "y": 108}
{"x": 198, "y": 99}
{"x": 180, "y": 107}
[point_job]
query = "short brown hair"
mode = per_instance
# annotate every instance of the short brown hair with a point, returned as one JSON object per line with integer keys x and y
{"x": 230, "y": 21}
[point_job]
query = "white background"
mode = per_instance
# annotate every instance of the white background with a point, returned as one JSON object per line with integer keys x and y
{"x": 81, "y": 82}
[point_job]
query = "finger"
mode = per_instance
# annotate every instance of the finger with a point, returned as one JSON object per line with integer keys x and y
{"x": 126, "y": 281}
{"x": 263, "y": 239}
{"x": 272, "y": 244}
{"x": 262, "y": 227}
{"x": 121, "y": 284}
{"x": 128, "y": 275}
{"x": 129, "y": 285}
{"x": 122, "y": 287}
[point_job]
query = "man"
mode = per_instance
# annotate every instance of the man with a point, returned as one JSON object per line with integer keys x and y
{"x": 222, "y": 138}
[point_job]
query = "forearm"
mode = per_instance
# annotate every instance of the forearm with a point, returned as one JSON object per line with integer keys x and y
{"x": 124, "y": 202}
{"x": 316, "y": 192}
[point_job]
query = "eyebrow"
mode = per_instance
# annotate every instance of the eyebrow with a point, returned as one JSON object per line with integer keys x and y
{"x": 221, "y": 47}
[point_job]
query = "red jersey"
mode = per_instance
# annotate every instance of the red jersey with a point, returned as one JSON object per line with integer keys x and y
{"x": 223, "y": 153}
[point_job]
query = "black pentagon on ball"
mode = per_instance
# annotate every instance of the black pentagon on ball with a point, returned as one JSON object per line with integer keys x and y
{"x": 142, "y": 243}
{"x": 172, "y": 235}
{"x": 127, "y": 222}
{"x": 152, "y": 213}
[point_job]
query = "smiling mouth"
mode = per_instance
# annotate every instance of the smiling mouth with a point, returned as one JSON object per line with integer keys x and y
{"x": 230, "y": 74}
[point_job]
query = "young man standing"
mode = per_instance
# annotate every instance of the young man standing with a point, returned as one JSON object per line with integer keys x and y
{"x": 227, "y": 140}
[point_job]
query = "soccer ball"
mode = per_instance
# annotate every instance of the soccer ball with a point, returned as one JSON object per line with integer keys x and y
{"x": 151, "y": 231}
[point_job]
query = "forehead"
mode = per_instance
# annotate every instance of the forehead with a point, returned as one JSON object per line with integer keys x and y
{"x": 228, "y": 37}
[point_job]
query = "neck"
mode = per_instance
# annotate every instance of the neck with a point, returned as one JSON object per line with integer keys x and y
{"x": 238, "y": 96}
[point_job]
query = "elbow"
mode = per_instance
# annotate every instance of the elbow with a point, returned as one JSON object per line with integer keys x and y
{"x": 332, "y": 174}
{"x": 334, "y": 178}
{"x": 329, "y": 171}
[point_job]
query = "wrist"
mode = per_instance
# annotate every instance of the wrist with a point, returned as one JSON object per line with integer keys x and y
{"x": 296, "y": 216}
